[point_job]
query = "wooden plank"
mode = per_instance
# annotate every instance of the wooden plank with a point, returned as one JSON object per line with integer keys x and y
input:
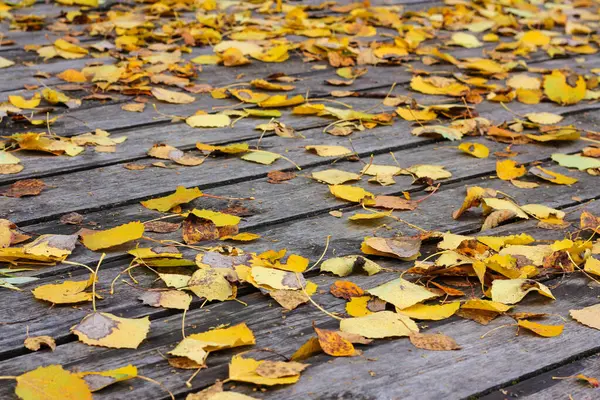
{"x": 66, "y": 193}
{"x": 304, "y": 236}
{"x": 339, "y": 376}
{"x": 141, "y": 139}
{"x": 543, "y": 386}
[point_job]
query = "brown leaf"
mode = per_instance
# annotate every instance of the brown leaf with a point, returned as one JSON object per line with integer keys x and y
{"x": 71, "y": 219}
{"x": 433, "y": 341}
{"x": 394, "y": 203}
{"x": 280, "y": 176}
{"x": 346, "y": 290}
{"x": 26, "y": 187}
{"x": 496, "y": 218}
{"x": 135, "y": 167}
{"x": 161, "y": 226}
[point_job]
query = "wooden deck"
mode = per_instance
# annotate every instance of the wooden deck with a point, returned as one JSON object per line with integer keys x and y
{"x": 293, "y": 215}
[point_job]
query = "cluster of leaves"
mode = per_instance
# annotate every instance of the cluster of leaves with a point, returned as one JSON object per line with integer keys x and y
{"x": 149, "y": 45}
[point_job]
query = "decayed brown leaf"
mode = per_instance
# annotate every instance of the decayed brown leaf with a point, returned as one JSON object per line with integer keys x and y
{"x": 433, "y": 341}
{"x": 27, "y": 187}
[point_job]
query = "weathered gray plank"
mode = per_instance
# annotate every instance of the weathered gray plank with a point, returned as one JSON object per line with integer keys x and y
{"x": 543, "y": 386}
{"x": 305, "y": 236}
{"x": 285, "y": 335}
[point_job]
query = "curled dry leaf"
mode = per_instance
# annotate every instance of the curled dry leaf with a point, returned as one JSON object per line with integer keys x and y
{"x": 34, "y": 343}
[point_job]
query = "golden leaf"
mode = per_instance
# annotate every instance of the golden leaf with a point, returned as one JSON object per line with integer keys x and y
{"x": 51, "y": 383}
{"x": 108, "y": 330}
{"x": 112, "y": 237}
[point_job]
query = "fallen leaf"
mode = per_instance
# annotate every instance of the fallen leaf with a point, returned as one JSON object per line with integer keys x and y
{"x": 51, "y": 382}
{"x": 541, "y": 329}
{"x": 34, "y": 343}
{"x": 433, "y": 341}
{"x": 588, "y": 316}
{"x": 379, "y": 325}
{"x": 26, "y": 187}
{"x": 108, "y": 330}
{"x": 97, "y": 240}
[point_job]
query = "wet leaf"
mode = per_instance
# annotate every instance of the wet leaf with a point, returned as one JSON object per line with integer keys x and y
{"x": 332, "y": 343}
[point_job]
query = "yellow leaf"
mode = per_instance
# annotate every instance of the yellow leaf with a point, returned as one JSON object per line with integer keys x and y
{"x": 401, "y": 293}
{"x": 207, "y": 59}
{"x": 335, "y": 176}
{"x": 167, "y": 299}
{"x": 4, "y": 63}
{"x": 592, "y": 266}
{"x": 108, "y": 330}
{"x": 242, "y": 237}
{"x": 245, "y": 370}
{"x": 56, "y": 247}
{"x": 438, "y": 86}
{"x": 282, "y": 101}
{"x": 416, "y": 115}
{"x": 535, "y": 38}
{"x": 262, "y": 84}
{"x": 358, "y": 306}
{"x": 101, "y": 379}
{"x": 51, "y": 383}
{"x": 233, "y": 148}
{"x": 511, "y": 291}
{"x": 34, "y": 343}
{"x": 261, "y": 157}
{"x": 113, "y": 237}
{"x": 483, "y": 65}
{"x": 72, "y": 75}
{"x": 541, "y": 329}
{"x": 20, "y": 102}
{"x": 465, "y": 40}
{"x": 209, "y": 283}
{"x": 498, "y": 242}
{"x": 379, "y": 325}
{"x": 329, "y": 151}
{"x": 486, "y": 305}
{"x": 375, "y": 170}
{"x": 217, "y": 218}
{"x": 294, "y": 263}
{"x": 588, "y": 316}
{"x": 541, "y": 211}
{"x": 552, "y": 176}
{"x": 544, "y": 118}
{"x": 507, "y": 170}
{"x": 369, "y": 216}
{"x": 344, "y": 266}
{"x": 67, "y": 292}
{"x": 431, "y": 312}
{"x": 350, "y": 193}
{"x": 172, "y": 97}
{"x": 434, "y": 172}
{"x": 504, "y": 204}
{"x": 523, "y": 81}
{"x": 225, "y": 338}
{"x": 275, "y": 278}
{"x": 475, "y": 149}
{"x": 181, "y": 196}
{"x": 559, "y": 90}
{"x": 208, "y": 121}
